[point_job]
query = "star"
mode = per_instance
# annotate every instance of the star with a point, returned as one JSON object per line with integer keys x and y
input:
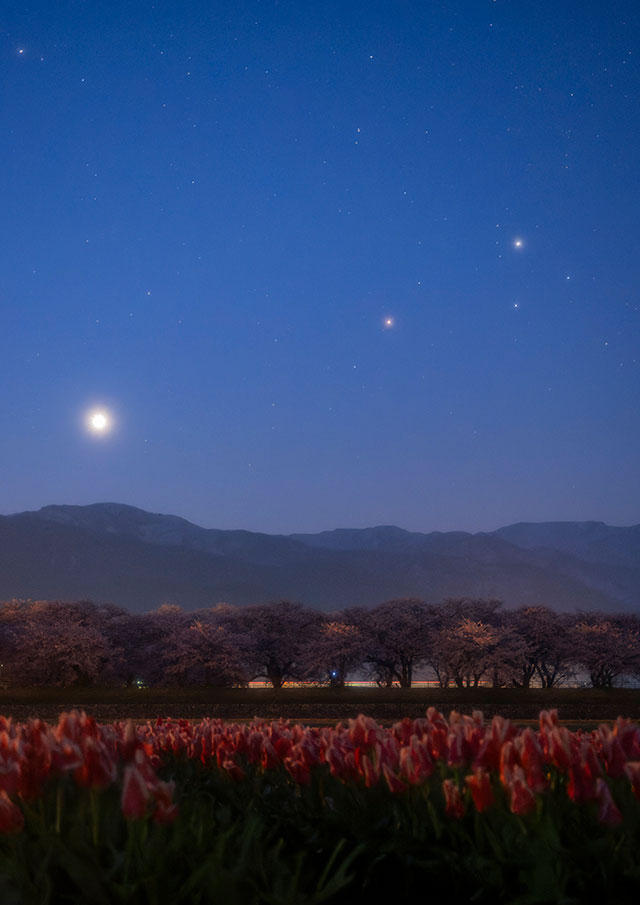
{"x": 388, "y": 323}
{"x": 518, "y": 243}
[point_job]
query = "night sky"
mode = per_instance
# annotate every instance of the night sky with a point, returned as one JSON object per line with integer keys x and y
{"x": 322, "y": 264}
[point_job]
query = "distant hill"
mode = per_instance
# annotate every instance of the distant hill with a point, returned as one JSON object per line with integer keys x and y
{"x": 109, "y": 552}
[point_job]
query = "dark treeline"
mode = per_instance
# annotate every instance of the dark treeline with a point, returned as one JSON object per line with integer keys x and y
{"x": 458, "y": 643}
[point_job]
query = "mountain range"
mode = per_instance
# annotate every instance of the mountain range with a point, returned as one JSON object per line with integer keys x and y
{"x": 110, "y": 552}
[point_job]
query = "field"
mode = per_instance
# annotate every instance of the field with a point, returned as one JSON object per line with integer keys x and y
{"x": 272, "y": 813}
{"x": 586, "y": 706}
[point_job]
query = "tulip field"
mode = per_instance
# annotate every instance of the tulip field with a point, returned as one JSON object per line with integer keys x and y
{"x": 456, "y": 810}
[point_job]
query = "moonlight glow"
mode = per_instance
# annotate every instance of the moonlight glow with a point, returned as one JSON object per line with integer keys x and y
{"x": 99, "y": 421}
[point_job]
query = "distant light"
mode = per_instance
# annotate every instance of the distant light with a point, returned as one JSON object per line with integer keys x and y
{"x": 388, "y": 323}
{"x": 518, "y": 243}
{"x": 99, "y": 421}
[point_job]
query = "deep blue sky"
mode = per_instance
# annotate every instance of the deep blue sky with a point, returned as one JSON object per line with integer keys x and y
{"x": 209, "y": 209}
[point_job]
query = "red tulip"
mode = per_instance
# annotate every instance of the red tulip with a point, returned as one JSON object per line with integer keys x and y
{"x": 562, "y": 747}
{"x": 11, "y": 817}
{"x": 532, "y": 759}
{"x": 98, "y": 768}
{"x": 454, "y": 804}
{"x": 299, "y": 770}
{"x": 403, "y": 730}
{"x": 479, "y": 783}
{"x": 10, "y": 775}
{"x": 582, "y": 784}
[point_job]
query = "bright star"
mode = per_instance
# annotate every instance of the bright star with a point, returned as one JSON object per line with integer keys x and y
{"x": 388, "y": 323}
{"x": 518, "y": 243}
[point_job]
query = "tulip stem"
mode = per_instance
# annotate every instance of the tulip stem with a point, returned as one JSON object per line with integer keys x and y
{"x": 59, "y": 794}
{"x": 93, "y": 805}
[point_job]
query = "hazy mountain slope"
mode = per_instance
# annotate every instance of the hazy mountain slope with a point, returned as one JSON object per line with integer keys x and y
{"x": 110, "y": 552}
{"x": 589, "y": 541}
{"x": 389, "y": 539}
{"x": 44, "y": 559}
{"x": 171, "y": 530}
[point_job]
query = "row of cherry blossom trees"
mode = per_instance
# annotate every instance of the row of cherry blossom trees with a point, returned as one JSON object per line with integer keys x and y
{"x": 459, "y": 643}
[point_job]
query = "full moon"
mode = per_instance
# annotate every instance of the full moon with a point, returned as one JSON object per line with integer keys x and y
{"x": 98, "y": 421}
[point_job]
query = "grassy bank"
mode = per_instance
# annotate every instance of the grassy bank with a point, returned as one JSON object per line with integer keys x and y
{"x": 326, "y": 704}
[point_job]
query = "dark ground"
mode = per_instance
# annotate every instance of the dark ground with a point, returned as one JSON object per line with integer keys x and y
{"x": 586, "y": 706}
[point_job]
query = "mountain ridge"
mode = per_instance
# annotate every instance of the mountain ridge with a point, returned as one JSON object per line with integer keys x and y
{"x": 113, "y": 552}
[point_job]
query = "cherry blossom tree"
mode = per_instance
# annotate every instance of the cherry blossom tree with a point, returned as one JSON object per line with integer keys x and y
{"x": 538, "y": 646}
{"x": 162, "y": 627}
{"x": 398, "y": 637}
{"x": 138, "y": 648}
{"x": 606, "y": 648}
{"x": 464, "y": 639}
{"x": 274, "y": 639}
{"x": 206, "y": 653}
{"x": 466, "y": 652}
{"x": 59, "y": 644}
{"x": 338, "y": 649}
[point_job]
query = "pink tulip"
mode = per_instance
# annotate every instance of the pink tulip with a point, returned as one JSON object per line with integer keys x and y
{"x": 396, "y": 786}
{"x": 508, "y": 761}
{"x": 457, "y": 754}
{"x": 632, "y": 769}
{"x": 370, "y": 771}
{"x": 522, "y": 799}
{"x": 165, "y": 810}
{"x": 612, "y": 752}
{"x": 234, "y": 770}
{"x": 135, "y": 793}
{"x": 629, "y": 737}
{"x": 608, "y": 812}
